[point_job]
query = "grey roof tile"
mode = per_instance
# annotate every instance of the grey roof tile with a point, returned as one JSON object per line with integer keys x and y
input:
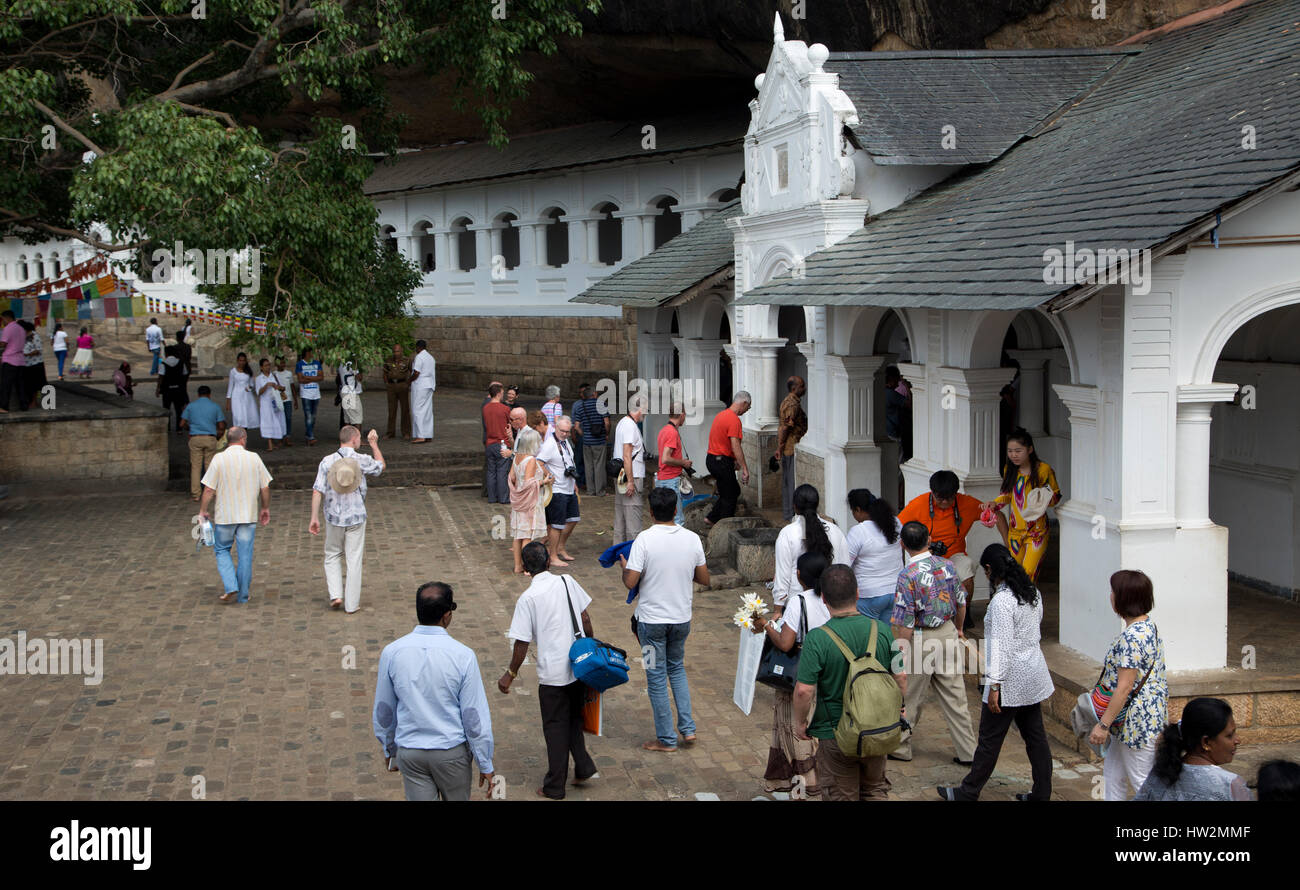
{"x": 556, "y": 149}
{"x": 1149, "y": 152}
{"x": 991, "y": 98}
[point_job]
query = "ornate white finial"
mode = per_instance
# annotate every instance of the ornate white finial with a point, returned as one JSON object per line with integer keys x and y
{"x": 758, "y": 81}
{"x": 778, "y": 32}
{"x": 818, "y": 54}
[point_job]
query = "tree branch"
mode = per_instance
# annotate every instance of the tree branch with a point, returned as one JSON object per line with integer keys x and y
{"x": 67, "y": 127}
{"x": 31, "y": 223}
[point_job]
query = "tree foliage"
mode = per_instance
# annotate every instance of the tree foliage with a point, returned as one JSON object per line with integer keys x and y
{"x": 136, "y": 117}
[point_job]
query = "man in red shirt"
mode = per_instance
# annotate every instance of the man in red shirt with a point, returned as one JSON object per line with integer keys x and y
{"x": 948, "y": 515}
{"x": 672, "y": 458}
{"x": 724, "y": 454}
{"x": 496, "y": 430}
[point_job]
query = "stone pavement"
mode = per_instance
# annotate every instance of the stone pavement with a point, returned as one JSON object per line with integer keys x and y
{"x": 263, "y": 702}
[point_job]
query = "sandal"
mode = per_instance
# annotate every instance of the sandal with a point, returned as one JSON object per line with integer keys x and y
{"x": 228, "y": 597}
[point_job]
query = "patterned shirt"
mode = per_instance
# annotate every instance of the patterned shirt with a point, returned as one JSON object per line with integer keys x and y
{"x": 238, "y": 477}
{"x": 345, "y": 510}
{"x": 587, "y": 414}
{"x": 32, "y": 350}
{"x": 552, "y": 411}
{"x": 1139, "y": 647}
{"x": 928, "y": 587}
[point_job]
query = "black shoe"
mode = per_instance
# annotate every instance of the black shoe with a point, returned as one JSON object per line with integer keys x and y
{"x": 960, "y": 762}
{"x": 946, "y": 792}
{"x": 1024, "y": 796}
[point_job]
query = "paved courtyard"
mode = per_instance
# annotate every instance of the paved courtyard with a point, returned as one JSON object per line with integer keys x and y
{"x": 272, "y": 700}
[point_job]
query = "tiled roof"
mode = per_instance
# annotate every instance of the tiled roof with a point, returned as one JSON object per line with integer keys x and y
{"x": 1149, "y": 153}
{"x": 677, "y": 265}
{"x": 990, "y": 99}
{"x": 557, "y": 149}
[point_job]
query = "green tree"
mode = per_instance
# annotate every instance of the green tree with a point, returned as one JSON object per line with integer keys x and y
{"x": 137, "y": 116}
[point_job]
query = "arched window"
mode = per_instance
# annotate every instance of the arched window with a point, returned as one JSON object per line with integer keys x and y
{"x": 58, "y": 265}
{"x": 609, "y": 235}
{"x": 508, "y": 223}
{"x": 557, "y": 239}
{"x": 668, "y": 224}
{"x": 40, "y": 266}
{"x": 23, "y": 272}
{"x": 425, "y": 240}
{"x": 466, "y": 259}
{"x": 390, "y": 239}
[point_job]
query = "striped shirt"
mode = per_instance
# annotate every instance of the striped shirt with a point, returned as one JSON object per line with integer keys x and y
{"x": 586, "y": 413}
{"x": 238, "y": 477}
{"x": 552, "y": 411}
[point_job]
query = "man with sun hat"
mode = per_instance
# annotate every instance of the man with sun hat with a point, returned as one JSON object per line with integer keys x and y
{"x": 341, "y": 481}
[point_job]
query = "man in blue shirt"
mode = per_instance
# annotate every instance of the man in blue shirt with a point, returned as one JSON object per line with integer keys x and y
{"x": 309, "y": 374}
{"x": 206, "y": 422}
{"x": 431, "y": 714}
{"x": 593, "y": 430}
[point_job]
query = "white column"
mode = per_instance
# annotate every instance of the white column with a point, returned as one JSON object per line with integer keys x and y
{"x": 852, "y": 456}
{"x": 916, "y": 472}
{"x": 701, "y": 362}
{"x": 648, "y": 231}
{"x": 760, "y": 379}
{"x": 482, "y": 246}
{"x": 970, "y": 410}
{"x": 441, "y": 257}
{"x": 1084, "y": 405}
{"x": 655, "y": 363}
{"x": 631, "y": 234}
{"x": 529, "y": 257}
{"x": 495, "y": 238}
{"x": 577, "y": 238}
{"x": 592, "y": 227}
{"x": 1192, "y": 457}
{"x": 1033, "y": 388}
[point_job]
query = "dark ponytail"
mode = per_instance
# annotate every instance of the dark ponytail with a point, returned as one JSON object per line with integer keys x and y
{"x": 1003, "y": 569}
{"x": 815, "y": 539}
{"x": 1202, "y": 718}
{"x": 878, "y": 510}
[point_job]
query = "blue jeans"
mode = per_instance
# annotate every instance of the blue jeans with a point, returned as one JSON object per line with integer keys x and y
{"x": 288, "y": 417}
{"x": 673, "y": 483}
{"x": 665, "y": 666}
{"x": 156, "y": 361}
{"x": 309, "y": 407}
{"x": 61, "y": 355}
{"x": 878, "y": 607}
{"x": 241, "y": 536}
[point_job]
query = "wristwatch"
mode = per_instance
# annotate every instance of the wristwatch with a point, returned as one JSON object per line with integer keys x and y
{"x": 996, "y": 687}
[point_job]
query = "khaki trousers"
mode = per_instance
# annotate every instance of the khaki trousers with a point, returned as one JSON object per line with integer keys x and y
{"x": 399, "y": 402}
{"x": 936, "y": 662}
{"x": 202, "y": 450}
{"x": 344, "y": 545}
{"x": 850, "y": 778}
{"x": 627, "y": 511}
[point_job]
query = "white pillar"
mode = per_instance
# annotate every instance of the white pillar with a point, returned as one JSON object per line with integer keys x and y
{"x": 701, "y": 362}
{"x": 577, "y": 238}
{"x": 925, "y": 438}
{"x": 1192, "y": 458}
{"x": 1033, "y": 388}
{"x": 591, "y": 225}
{"x": 655, "y": 362}
{"x": 631, "y": 234}
{"x": 760, "y": 379}
{"x": 852, "y": 456}
{"x": 528, "y": 241}
{"x": 970, "y": 413}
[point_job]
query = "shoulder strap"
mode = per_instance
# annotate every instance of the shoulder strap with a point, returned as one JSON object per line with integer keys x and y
{"x": 844, "y": 650}
{"x": 803, "y": 617}
{"x": 573, "y": 616}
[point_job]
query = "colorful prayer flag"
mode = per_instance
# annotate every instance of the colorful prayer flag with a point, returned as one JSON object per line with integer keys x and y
{"x": 89, "y": 291}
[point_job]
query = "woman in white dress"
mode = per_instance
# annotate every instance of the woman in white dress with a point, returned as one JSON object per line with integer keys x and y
{"x": 806, "y": 532}
{"x": 269, "y": 399}
{"x": 241, "y": 403}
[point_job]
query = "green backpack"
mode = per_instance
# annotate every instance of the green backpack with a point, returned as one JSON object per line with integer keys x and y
{"x": 872, "y": 722}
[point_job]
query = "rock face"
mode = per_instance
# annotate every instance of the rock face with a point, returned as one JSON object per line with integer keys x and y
{"x": 669, "y": 57}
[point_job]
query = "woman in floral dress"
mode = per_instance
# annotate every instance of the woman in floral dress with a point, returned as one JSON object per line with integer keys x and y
{"x": 1134, "y": 676}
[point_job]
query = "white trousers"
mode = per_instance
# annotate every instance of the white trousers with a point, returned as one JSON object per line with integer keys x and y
{"x": 1127, "y": 766}
{"x": 344, "y": 544}
{"x": 421, "y": 413}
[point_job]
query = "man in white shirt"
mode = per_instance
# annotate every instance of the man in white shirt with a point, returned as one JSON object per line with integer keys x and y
{"x": 666, "y": 561}
{"x": 629, "y": 446}
{"x": 153, "y": 338}
{"x": 562, "y": 512}
{"x": 238, "y": 481}
{"x": 423, "y": 384}
{"x": 341, "y": 485}
{"x": 546, "y": 614}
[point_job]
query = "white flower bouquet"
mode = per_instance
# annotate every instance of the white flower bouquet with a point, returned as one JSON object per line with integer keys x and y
{"x": 751, "y": 606}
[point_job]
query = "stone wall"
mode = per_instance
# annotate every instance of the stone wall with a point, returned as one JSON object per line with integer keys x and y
{"x": 531, "y": 352}
{"x": 90, "y": 441}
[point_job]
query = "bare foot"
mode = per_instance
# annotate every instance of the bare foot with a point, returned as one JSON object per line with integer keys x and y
{"x": 567, "y": 556}
{"x": 519, "y": 570}
{"x": 558, "y": 562}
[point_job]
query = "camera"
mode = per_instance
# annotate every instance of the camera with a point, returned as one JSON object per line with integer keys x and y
{"x": 689, "y": 471}
{"x": 938, "y": 548}
{"x": 571, "y": 472}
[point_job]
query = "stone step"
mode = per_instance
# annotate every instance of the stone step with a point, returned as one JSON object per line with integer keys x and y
{"x": 461, "y": 474}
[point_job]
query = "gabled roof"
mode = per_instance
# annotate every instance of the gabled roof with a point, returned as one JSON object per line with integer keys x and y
{"x": 679, "y": 264}
{"x": 557, "y": 149}
{"x": 1150, "y": 155}
{"x": 991, "y": 99}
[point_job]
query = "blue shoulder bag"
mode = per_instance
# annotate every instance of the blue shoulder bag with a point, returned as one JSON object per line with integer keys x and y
{"x": 597, "y": 664}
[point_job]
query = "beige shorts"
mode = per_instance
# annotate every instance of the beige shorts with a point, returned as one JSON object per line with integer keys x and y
{"x": 964, "y": 565}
